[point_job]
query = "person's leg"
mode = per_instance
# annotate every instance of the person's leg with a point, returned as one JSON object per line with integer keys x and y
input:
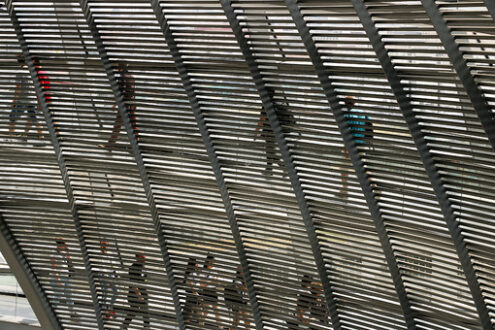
{"x": 344, "y": 176}
{"x": 196, "y": 309}
{"x": 203, "y": 312}
{"x": 217, "y": 315}
{"x": 245, "y": 318}
{"x": 146, "y": 314}
{"x": 15, "y": 113}
{"x": 104, "y": 295}
{"x": 34, "y": 120}
{"x": 31, "y": 118}
{"x": 130, "y": 315}
{"x": 113, "y": 296}
{"x": 235, "y": 317}
{"x": 269, "y": 150}
{"x": 291, "y": 325}
{"x": 133, "y": 118}
{"x": 116, "y": 129}
{"x": 68, "y": 294}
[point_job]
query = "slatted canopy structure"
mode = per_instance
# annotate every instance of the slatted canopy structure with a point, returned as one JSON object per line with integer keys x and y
{"x": 247, "y": 164}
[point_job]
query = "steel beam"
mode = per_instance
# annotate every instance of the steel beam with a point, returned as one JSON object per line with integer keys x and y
{"x": 479, "y": 101}
{"x": 490, "y": 4}
{"x": 356, "y": 161}
{"x": 28, "y": 281}
{"x": 61, "y": 162}
{"x": 186, "y": 81}
{"x": 198, "y": 114}
{"x": 428, "y": 160}
{"x": 270, "y": 107}
{"x": 139, "y": 161}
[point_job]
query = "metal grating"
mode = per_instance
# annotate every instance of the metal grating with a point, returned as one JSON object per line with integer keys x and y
{"x": 196, "y": 130}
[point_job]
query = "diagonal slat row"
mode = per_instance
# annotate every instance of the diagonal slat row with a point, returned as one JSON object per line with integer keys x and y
{"x": 200, "y": 147}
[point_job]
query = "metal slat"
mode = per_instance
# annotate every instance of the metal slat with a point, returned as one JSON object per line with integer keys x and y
{"x": 186, "y": 81}
{"x": 277, "y": 129}
{"x": 428, "y": 160}
{"x": 61, "y": 162}
{"x": 139, "y": 160}
{"x": 477, "y": 98}
{"x": 27, "y": 279}
{"x": 357, "y": 163}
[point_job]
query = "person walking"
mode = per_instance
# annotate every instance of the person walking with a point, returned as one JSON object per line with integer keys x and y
{"x": 62, "y": 272}
{"x": 127, "y": 90}
{"x": 208, "y": 291}
{"x": 137, "y": 296}
{"x": 360, "y": 128}
{"x": 21, "y": 102}
{"x": 286, "y": 121}
{"x": 234, "y": 296}
{"x": 191, "y": 282}
{"x": 108, "y": 277}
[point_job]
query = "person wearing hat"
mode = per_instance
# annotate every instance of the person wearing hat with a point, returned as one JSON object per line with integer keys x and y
{"x": 138, "y": 294}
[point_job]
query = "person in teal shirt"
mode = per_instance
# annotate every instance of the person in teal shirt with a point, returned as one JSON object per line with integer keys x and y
{"x": 361, "y": 129}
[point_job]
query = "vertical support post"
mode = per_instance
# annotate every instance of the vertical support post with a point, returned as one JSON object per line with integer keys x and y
{"x": 139, "y": 160}
{"x": 27, "y": 279}
{"x": 427, "y": 158}
{"x": 61, "y": 162}
{"x": 186, "y": 81}
{"x": 356, "y": 161}
{"x": 478, "y": 100}
{"x": 288, "y": 160}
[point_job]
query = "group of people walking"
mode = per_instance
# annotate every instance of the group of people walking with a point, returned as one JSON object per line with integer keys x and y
{"x": 203, "y": 287}
{"x": 22, "y": 101}
{"x": 63, "y": 271}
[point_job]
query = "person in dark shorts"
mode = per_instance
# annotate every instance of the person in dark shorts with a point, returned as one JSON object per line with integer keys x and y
{"x": 235, "y": 300}
{"x": 127, "y": 89}
{"x": 138, "y": 294}
{"x": 21, "y": 102}
{"x": 208, "y": 291}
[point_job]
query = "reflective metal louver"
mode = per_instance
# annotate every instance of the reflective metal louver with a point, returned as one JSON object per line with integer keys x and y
{"x": 244, "y": 164}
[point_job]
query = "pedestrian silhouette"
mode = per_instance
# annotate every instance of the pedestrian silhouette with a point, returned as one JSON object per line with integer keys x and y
{"x": 191, "y": 282}
{"x": 234, "y": 295}
{"x": 208, "y": 291}
{"x": 126, "y": 84}
{"x": 62, "y": 272}
{"x": 286, "y": 121}
{"x": 138, "y": 294}
{"x": 21, "y": 102}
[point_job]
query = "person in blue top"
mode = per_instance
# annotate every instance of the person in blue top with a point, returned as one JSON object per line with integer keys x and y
{"x": 358, "y": 122}
{"x": 361, "y": 129}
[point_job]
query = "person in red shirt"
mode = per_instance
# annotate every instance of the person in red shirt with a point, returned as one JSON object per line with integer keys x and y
{"x": 43, "y": 79}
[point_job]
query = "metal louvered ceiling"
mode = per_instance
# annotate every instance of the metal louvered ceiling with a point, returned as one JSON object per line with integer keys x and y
{"x": 393, "y": 230}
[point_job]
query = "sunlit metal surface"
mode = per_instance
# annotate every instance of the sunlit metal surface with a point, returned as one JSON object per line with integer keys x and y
{"x": 243, "y": 164}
